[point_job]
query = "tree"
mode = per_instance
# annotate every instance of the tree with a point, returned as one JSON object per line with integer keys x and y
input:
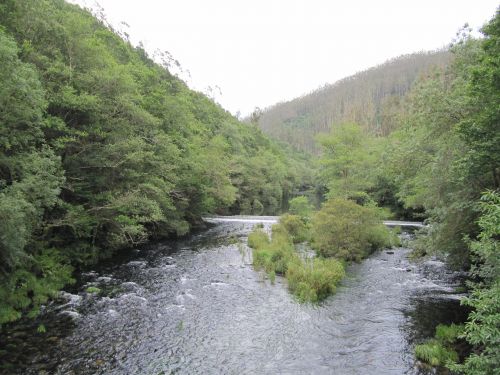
{"x": 482, "y": 328}
{"x": 346, "y": 161}
{"x": 480, "y": 131}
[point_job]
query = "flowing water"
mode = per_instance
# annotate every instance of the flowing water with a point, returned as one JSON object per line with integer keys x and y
{"x": 196, "y": 306}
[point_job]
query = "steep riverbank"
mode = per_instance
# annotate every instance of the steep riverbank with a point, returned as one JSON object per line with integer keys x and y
{"x": 197, "y": 306}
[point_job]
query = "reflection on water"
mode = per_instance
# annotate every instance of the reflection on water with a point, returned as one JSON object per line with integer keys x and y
{"x": 197, "y": 307}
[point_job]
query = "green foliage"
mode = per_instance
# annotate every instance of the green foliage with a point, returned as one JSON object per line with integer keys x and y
{"x": 346, "y": 161}
{"x": 26, "y": 288}
{"x": 439, "y": 351}
{"x": 258, "y": 239}
{"x": 449, "y": 334}
{"x": 442, "y": 159}
{"x": 264, "y": 181}
{"x": 479, "y": 130}
{"x": 93, "y": 290}
{"x": 315, "y": 279}
{"x": 275, "y": 255}
{"x": 30, "y": 174}
{"x": 21, "y": 99}
{"x": 482, "y": 329}
{"x": 295, "y": 227}
{"x": 435, "y": 354}
{"x": 422, "y": 161}
{"x": 41, "y": 329}
{"x": 445, "y": 154}
{"x": 310, "y": 280}
{"x": 353, "y": 166}
{"x": 486, "y": 249}
{"x": 346, "y": 230}
{"x": 373, "y": 99}
{"x": 301, "y": 207}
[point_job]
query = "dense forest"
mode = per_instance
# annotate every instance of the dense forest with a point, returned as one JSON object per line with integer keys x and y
{"x": 101, "y": 149}
{"x": 371, "y": 99}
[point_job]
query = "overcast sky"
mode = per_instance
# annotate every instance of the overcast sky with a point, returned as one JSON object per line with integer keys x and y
{"x": 261, "y": 52}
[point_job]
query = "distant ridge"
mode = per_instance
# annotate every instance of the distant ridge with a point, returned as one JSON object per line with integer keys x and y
{"x": 371, "y": 98}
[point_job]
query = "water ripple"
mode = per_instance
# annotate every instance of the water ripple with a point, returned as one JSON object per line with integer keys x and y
{"x": 198, "y": 307}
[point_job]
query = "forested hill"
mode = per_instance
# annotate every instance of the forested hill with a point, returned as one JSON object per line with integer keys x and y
{"x": 101, "y": 149}
{"x": 371, "y": 99}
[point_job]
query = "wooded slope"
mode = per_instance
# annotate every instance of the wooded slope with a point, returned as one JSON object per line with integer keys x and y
{"x": 371, "y": 99}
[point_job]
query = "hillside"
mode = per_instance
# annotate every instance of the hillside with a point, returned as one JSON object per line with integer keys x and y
{"x": 103, "y": 149}
{"x": 371, "y": 99}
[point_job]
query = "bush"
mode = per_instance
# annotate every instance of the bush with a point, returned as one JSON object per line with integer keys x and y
{"x": 300, "y": 206}
{"x": 346, "y": 230}
{"x": 26, "y": 289}
{"x": 295, "y": 227}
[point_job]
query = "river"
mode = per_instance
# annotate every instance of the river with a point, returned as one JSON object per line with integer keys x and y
{"x": 196, "y": 306}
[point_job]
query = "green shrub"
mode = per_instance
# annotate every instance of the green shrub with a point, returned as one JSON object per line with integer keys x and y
{"x": 280, "y": 234}
{"x": 272, "y": 259}
{"x": 295, "y": 227}
{"x": 272, "y": 276}
{"x": 258, "y": 239}
{"x": 379, "y": 236}
{"x": 26, "y": 289}
{"x": 346, "y": 230}
{"x": 300, "y": 206}
{"x": 435, "y": 353}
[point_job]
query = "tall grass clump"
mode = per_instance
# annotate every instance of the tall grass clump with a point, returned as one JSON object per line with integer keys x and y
{"x": 310, "y": 280}
{"x": 435, "y": 353}
{"x": 440, "y": 351}
{"x": 273, "y": 255}
{"x": 314, "y": 279}
{"x": 449, "y": 334}
{"x": 258, "y": 239}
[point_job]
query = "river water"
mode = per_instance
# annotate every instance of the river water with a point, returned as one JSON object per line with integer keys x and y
{"x": 196, "y": 306}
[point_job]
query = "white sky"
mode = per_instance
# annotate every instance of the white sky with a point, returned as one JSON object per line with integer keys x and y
{"x": 261, "y": 52}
